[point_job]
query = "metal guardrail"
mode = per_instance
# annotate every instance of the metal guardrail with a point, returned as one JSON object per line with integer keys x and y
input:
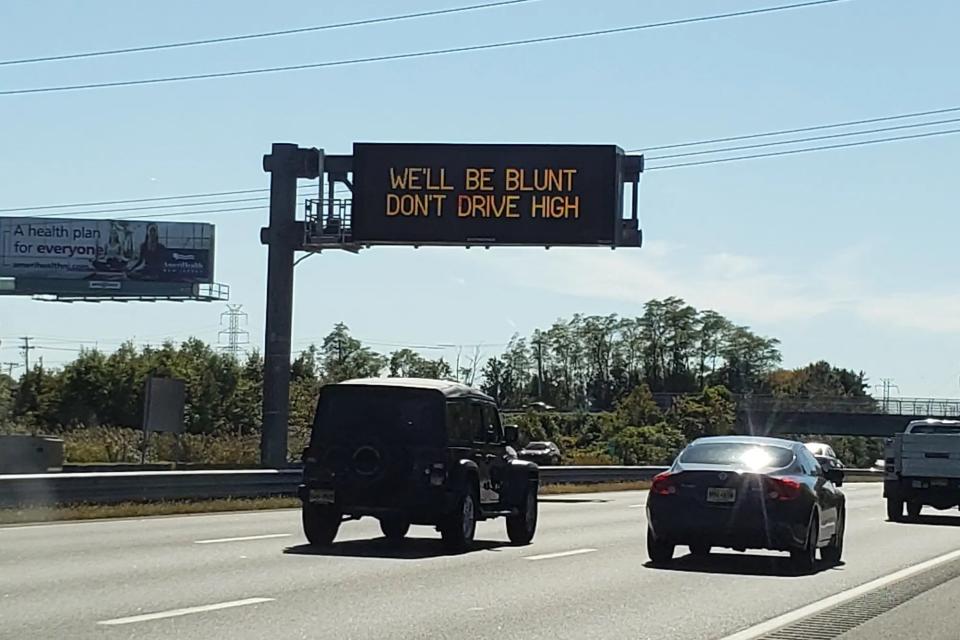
{"x": 46, "y": 489}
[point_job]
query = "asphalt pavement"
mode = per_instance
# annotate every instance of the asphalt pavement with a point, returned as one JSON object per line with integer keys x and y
{"x": 251, "y": 575}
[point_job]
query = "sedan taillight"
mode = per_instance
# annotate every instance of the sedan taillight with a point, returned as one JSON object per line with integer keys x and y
{"x": 782, "y": 488}
{"x": 664, "y": 484}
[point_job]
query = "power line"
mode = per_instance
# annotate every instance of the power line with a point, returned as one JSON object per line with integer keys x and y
{"x": 807, "y": 139}
{"x": 772, "y": 154}
{"x": 313, "y": 186}
{"x": 309, "y": 187}
{"x": 210, "y": 194}
{"x": 421, "y": 54}
{"x": 835, "y": 125}
{"x": 161, "y": 206}
{"x": 266, "y": 34}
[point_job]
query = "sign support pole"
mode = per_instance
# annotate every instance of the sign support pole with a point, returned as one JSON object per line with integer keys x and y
{"x": 285, "y": 163}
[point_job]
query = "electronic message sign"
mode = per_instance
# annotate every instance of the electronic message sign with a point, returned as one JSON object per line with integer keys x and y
{"x": 484, "y": 194}
{"x": 106, "y": 252}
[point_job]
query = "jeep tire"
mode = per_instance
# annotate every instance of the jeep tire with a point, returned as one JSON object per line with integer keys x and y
{"x": 394, "y": 527}
{"x": 522, "y": 526}
{"x": 320, "y": 523}
{"x": 459, "y": 527}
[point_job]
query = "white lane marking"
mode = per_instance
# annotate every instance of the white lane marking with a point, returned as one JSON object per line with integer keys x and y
{"x": 173, "y": 613}
{"x": 243, "y": 538}
{"x": 560, "y": 554}
{"x": 839, "y": 598}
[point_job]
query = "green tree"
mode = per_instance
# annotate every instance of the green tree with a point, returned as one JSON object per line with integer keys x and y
{"x": 638, "y": 408}
{"x": 343, "y": 357}
{"x": 650, "y": 445}
{"x": 407, "y": 363}
{"x": 712, "y": 412}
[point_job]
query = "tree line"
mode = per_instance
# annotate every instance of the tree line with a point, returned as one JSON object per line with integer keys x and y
{"x": 607, "y": 366}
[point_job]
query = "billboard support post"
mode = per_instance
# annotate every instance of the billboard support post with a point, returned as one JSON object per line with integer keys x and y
{"x": 285, "y": 164}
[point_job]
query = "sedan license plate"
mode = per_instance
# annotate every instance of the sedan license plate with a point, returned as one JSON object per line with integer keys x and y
{"x": 721, "y": 494}
{"x": 321, "y": 496}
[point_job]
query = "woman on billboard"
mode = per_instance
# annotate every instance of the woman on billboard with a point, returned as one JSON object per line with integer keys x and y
{"x": 152, "y": 255}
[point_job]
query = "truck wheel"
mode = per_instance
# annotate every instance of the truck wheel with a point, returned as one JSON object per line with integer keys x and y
{"x": 320, "y": 523}
{"x": 394, "y": 527}
{"x": 913, "y": 509}
{"x": 834, "y": 551}
{"x": 522, "y": 526}
{"x": 660, "y": 551}
{"x": 460, "y": 527}
{"x": 894, "y": 510}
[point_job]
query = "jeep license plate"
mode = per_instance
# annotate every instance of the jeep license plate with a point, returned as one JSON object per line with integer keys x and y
{"x": 721, "y": 494}
{"x": 321, "y": 496}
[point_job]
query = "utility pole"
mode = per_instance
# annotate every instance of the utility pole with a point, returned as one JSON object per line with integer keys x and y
{"x": 25, "y": 350}
{"x": 10, "y": 367}
{"x": 237, "y": 337}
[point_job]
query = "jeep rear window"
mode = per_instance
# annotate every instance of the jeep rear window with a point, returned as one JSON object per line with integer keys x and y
{"x": 412, "y": 416}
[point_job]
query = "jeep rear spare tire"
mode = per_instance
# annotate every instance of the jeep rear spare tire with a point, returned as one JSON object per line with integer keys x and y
{"x": 459, "y": 527}
{"x": 522, "y": 525}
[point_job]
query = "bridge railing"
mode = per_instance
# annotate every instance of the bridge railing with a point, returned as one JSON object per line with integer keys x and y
{"x": 931, "y": 407}
{"x": 927, "y": 407}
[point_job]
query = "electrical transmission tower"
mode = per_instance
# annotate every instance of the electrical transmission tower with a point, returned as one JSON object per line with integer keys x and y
{"x": 886, "y": 385}
{"x": 237, "y": 338}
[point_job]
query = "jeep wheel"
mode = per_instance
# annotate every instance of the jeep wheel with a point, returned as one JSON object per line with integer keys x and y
{"x": 460, "y": 527}
{"x": 394, "y": 528}
{"x": 522, "y": 526}
{"x": 320, "y": 523}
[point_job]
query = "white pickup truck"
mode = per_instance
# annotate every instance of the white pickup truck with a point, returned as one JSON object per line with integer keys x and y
{"x": 922, "y": 468}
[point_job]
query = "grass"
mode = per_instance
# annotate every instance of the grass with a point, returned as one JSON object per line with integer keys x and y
{"x": 141, "y": 509}
{"x": 146, "y": 509}
{"x": 598, "y": 487}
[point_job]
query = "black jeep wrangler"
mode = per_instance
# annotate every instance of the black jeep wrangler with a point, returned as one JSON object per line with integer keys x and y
{"x": 412, "y": 451}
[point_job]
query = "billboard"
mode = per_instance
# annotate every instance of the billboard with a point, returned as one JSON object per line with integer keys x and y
{"x": 487, "y": 194}
{"x": 106, "y": 252}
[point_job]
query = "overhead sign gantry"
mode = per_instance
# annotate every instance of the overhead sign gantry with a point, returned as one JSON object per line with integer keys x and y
{"x": 431, "y": 195}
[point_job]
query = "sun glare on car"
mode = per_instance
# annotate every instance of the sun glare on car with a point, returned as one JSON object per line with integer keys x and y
{"x": 755, "y": 458}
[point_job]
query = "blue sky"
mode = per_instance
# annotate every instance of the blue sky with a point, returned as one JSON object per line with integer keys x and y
{"x": 844, "y": 255}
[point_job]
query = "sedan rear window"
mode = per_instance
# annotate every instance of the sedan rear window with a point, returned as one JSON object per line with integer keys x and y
{"x": 738, "y": 454}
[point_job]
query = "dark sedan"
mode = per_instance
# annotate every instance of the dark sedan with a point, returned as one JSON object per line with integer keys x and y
{"x": 747, "y": 492}
{"x": 543, "y": 453}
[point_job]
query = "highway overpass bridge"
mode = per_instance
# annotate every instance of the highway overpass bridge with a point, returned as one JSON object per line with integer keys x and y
{"x": 766, "y": 415}
{"x": 770, "y": 415}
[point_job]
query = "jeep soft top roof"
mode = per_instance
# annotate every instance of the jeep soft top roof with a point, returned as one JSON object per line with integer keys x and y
{"x": 446, "y": 387}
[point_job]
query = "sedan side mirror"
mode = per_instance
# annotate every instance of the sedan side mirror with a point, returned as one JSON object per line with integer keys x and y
{"x": 511, "y": 433}
{"x": 835, "y": 476}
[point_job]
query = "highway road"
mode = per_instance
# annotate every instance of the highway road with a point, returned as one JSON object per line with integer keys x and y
{"x": 251, "y": 575}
